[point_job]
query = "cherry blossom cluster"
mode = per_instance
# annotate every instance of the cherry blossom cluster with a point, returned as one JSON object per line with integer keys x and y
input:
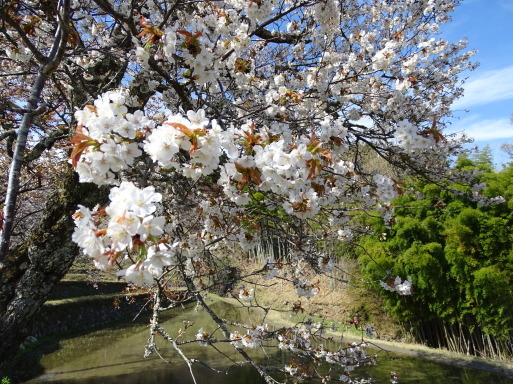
{"x": 299, "y": 341}
{"x": 126, "y": 226}
{"x": 410, "y": 140}
{"x": 106, "y": 138}
{"x": 252, "y": 339}
{"x": 268, "y": 159}
{"x": 398, "y": 285}
{"x": 325, "y": 263}
{"x": 203, "y": 338}
{"x": 246, "y": 295}
{"x": 266, "y": 165}
{"x": 271, "y": 269}
{"x": 306, "y": 288}
{"x": 188, "y": 134}
{"x": 380, "y": 67}
{"x": 19, "y": 54}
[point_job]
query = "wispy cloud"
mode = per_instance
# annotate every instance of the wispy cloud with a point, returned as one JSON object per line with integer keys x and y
{"x": 487, "y": 87}
{"x": 484, "y": 129}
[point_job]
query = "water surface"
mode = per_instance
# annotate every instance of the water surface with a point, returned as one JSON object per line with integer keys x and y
{"x": 115, "y": 355}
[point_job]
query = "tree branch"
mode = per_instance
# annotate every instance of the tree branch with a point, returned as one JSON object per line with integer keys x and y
{"x": 7, "y": 134}
{"x": 37, "y": 54}
{"x": 45, "y": 70}
{"x": 226, "y": 333}
{"x": 45, "y": 144}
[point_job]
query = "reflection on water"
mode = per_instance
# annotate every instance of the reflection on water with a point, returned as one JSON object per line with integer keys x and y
{"x": 114, "y": 355}
{"x": 175, "y": 374}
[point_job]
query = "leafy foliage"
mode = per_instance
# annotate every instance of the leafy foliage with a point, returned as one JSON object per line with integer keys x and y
{"x": 458, "y": 253}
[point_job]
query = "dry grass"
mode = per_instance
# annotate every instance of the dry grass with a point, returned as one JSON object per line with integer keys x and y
{"x": 337, "y": 301}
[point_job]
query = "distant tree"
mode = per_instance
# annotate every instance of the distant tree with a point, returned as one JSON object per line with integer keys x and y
{"x": 483, "y": 159}
{"x": 480, "y": 159}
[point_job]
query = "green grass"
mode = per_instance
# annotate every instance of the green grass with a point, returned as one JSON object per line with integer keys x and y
{"x": 67, "y": 289}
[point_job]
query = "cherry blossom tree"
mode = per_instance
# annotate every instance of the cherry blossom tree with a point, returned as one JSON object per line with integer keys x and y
{"x": 42, "y": 192}
{"x": 239, "y": 121}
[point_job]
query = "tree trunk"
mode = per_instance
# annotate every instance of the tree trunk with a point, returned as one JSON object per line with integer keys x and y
{"x": 46, "y": 69}
{"x": 32, "y": 269}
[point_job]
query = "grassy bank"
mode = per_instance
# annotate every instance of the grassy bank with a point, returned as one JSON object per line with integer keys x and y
{"x": 350, "y": 334}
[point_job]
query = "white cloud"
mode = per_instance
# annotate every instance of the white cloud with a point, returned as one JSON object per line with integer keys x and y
{"x": 487, "y": 87}
{"x": 483, "y": 130}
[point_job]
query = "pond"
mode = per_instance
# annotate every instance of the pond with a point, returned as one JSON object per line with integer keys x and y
{"x": 114, "y": 355}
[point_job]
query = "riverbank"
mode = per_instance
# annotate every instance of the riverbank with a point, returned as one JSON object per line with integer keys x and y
{"x": 446, "y": 357}
{"x": 62, "y": 359}
{"x": 76, "y": 307}
{"x": 503, "y": 368}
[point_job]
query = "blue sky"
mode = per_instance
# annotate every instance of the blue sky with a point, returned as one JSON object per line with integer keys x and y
{"x": 484, "y": 112}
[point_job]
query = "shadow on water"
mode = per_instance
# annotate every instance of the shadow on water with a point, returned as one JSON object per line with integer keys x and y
{"x": 114, "y": 355}
{"x": 29, "y": 363}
